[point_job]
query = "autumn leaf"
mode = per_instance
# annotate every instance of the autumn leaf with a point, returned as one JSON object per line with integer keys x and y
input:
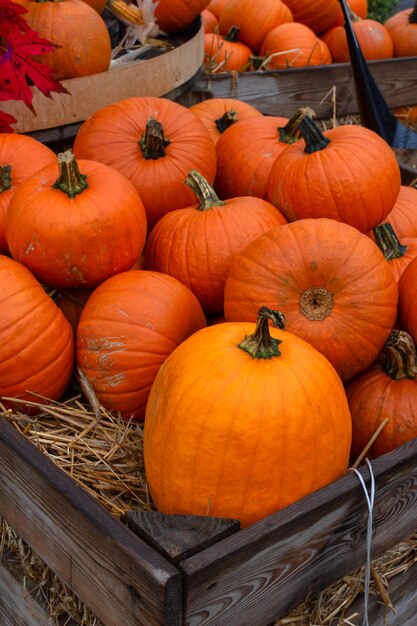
{"x": 11, "y": 18}
{"x": 5, "y": 121}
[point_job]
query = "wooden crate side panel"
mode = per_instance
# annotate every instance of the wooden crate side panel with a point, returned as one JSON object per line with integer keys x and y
{"x": 265, "y": 570}
{"x": 119, "y": 577}
{"x": 283, "y": 92}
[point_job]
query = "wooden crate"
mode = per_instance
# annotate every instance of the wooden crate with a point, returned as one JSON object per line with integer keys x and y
{"x": 234, "y": 577}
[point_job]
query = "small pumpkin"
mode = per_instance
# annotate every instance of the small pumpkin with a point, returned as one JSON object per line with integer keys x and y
{"x": 224, "y": 53}
{"x": 294, "y": 45}
{"x": 398, "y": 253}
{"x": 402, "y": 27}
{"x": 242, "y": 421}
{"x": 374, "y": 40}
{"x": 218, "y": 114}
{"x": 403, "y": 216}
{"x": 407, "y": 299}
{"x": 210, "y": 21}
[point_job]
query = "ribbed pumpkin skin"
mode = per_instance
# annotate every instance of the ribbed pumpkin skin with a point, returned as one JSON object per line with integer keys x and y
{"x": 403, "y": 32}
{"x": 355, "y": 179}
{"x": 25, "y": 156}
{"x": 331, "y": 282}
{"x": 399, "y": 264}
{"x": 245, "y": 154}
{"x": 216, "y": 7}
{"x": 210, "y": 21}
{"x": 173, "y": 15}
{"x": 254, "y": 20}
{"x": 232, "y": 436}
{"x": 78, "y": 29}
{"x": 316, "y": 14}
{"x": 229, "y": 55}
{"x": 112, "y": 134}
{"x": 128, "y": 327}
{"x": 197, "y": 247}
{"x": 80, "y": 241}
{"x": 403, "y": 216}
{"x": 298, "y": 46}
{"x": 374, "y": 39}
{"x": 212, "y": 110}
{"x": 407, "y": 299}
{"x": 36, "y": 341}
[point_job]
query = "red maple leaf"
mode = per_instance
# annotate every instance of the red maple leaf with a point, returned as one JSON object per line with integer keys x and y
{"x": 5, "y": 121}
{"x": 18, "y": 69}
{"x": 11, "y": 18}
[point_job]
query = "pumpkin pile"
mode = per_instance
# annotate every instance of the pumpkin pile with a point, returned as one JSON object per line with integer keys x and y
{"x": 243, "y": 284}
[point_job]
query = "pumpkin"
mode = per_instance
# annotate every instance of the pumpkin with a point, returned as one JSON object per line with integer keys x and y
{"x": 247, "y": 150}
{"x": 15, "y": 167}
{"x": 175, "y": 15}
{"x": 294, "y": 45}
{"x": 242, "y": 421}
{"x": 357, "y": 7}
{"x": 128, "y": 327}
{"x": 329, "y": 280}
{"x": 210, "y": 21}
{"x": 385, "y": 391}
{"x": 407, "y": 115}
{"x": 374, "y": 40}
{"x": 216, "y": 7}
{"x": 75, "y": 224}
{"x": 218, "y": 114}
{"x": 98, "y": 5}
{"x": 402, "y": 27}
{"x": 407, "y": 299}
{"x": 71, "y": 302}
{"x": 316, "y": 14}
{"x": 36, "y": 341}
{"x": 155, "y": 143}
{"x": 225, "y": 53}
{"x": 79, "y": 31}
{"x": 196, "y": 244}
{"x": 398, "y": 253}
{"x": 254, "y": 20}
{"x": 403, "y": 216}
{"x": 348, "y": 173}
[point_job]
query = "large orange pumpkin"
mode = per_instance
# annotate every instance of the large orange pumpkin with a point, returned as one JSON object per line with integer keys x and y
{"x": 242, "y": 421}
{"x": 21, "y": 156}
{"x": 386, "y": 391}
{"x": 174, "y": 15}
{"x": 127, "y": 328}
{"x": 408, "y": 297}
{"x": 218, "y": 114}
{"x": 348, "y": 173}
{"x": 36, "y": 341}
{"x": 402, "y": 27}
{"x": 329, "y": 280}
{"x": 374, "y": 39}
{"x": 155, "y": 143}
{"x": 75, "y": 224}
{"x": 294, "y": 45}
{"x": 316, "y": 14}
{"x": 196, "y": 244}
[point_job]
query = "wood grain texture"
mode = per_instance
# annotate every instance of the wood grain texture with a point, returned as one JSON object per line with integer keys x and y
{"x": 120, "y": 578}
{"x": 263, "y": 571}
{"x": 281, "y": 93}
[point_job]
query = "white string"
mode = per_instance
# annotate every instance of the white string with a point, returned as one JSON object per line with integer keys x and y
{"x": 370, "y": 502}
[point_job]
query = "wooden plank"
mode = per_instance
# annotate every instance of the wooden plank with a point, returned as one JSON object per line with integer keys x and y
{"x": 118, "y": 576}
{"x": 265, "y": 570}
{"x": 276, "y": 92}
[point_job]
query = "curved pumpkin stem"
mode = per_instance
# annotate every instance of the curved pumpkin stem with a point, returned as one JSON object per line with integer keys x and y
{"x": 227, "y": 119}
{"x": 5, "y": 177}
{"x": 291, "y": 132}
{"x": 388, "y": 242}
{"x": 70, "y": 180}
{"x": 312, "y": 135}
{"x": 260, "y": 345}
{"x": 205, "y": 193}
{"x": 153, "y": 142}
{"x": 232, "y": 33}
{"x": 399, "y": 359}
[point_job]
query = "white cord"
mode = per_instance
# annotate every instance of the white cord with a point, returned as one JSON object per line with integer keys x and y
{"x": 370, "y": 502}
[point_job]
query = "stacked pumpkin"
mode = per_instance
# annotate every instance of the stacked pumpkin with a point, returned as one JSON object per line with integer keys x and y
{"x": 162, "y": 218}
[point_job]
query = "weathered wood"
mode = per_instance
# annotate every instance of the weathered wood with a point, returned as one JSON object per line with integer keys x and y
{"x": 177, "y": 537}
{"x": 265, "y": 570}
{"x": 118, "y": 576}
{"x": 277, "y": 92}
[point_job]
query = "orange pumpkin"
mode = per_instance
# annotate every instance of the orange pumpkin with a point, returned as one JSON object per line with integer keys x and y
{"x": 97, "y": 5}
{"x": 316, "y": 14}
{"x": 403, "y": 216}
{"x": 218, "y": 114}
{"x": 155, "y": 143}
{"x": 402, "y": 27}
{"x": 294, "y": 45}
{"x": 75, "y": 224}
{"x": 348, "y": 173}
{"x": 398, "y": 253}
{"x": 374, "y": 39}
{"x": 358, "y": 7}
{"x": 15, "y": 167}
{"x": 210, "y": 21}
{"x": 174, "y": 15}
{"x": 128, "y": 327}
{"x": 71, "y": 302}
{"x": 407, "y": 299}
{"x": 385, "y": 391}
{"x": 196, "y": 244}
{"x": 216, "y": 7}
{"x": 36, "y": 341}
{"x": 329, "y": 280}
{"x": 79, "y": 31}
{"x": 407, "y": 115}
{"x": 225, "y": 53}
{"x": 242, "y": 421}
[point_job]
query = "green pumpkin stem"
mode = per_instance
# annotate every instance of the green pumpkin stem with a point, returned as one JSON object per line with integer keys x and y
{"x": 5, "y": 177}
{"x": 205, "y": 193}
{"x": 232, "y": 33}
{"x": 70, "y": 180}
{"x": 226, "y": 120}
{"x": 312, "y": 135}
{"x": 291, "y": 132}
{"x": 399, "y": 359}
{"x": 388, "y": 242}
{"x": 260, "y": 345}
{"x": 153, "y": 142}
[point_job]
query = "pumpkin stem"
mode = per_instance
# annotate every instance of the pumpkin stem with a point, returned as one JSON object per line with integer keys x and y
{"x": 312, "y": 135}
{"x": 291, "y": 132}
{"x": 232, "y": 33}
{"x": 412, "y": 18}
{"x": 70, "y": 180}
{"x": 399, "y": 359}
{"x": 227, "y": 119}
{"x": 5, "y": 177}
{"x": 260, "y": 345}
{"x": 153, "y": 142}
{"x": 388, "y": 242}
{"x": 205, "y": 193}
